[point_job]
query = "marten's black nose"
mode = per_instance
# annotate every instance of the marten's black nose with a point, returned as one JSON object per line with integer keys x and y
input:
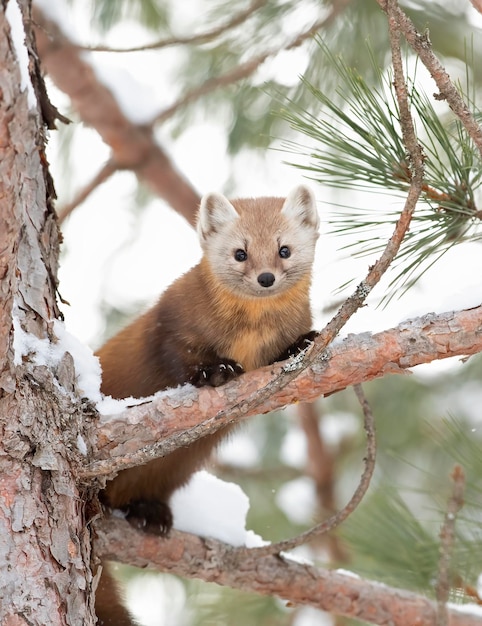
{"x": 266, "y": 279}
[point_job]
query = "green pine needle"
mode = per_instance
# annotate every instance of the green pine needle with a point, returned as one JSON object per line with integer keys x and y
{"x": 356, "y": 143}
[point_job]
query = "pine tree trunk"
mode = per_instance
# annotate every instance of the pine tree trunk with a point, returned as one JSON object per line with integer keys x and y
{"x": 44, "y": 544}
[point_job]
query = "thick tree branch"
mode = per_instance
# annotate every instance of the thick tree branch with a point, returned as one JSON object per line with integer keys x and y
{"x": 178, "y": 417}
{"x": 339, "y": 593}
{"x": 133, "y": 146}
{"x": 45, "y": 544}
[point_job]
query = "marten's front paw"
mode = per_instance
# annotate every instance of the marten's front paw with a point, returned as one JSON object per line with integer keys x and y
{"x": 217, "y": 374}
{"x": 151, "y": 516}
{"x": 299, "y": 345}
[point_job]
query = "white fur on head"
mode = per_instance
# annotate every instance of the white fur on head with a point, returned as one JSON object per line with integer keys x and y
{"x": 300, "y": 205}
{"x": 215, "y": 211}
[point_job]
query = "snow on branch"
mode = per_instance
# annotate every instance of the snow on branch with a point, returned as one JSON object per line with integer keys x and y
{"x": 176, "y": 418}
{"x": 338, "y": 592}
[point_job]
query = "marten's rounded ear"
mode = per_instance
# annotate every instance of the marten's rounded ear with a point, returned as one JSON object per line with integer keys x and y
{"x": 300, "y": 205}
{"x": 214, "y": 212}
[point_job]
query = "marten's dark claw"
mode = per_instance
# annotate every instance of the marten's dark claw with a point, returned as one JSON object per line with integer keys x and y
{"x": 299, "y": 345}
{"x": 217, "y": 374}
{"x": 150, "y": 516}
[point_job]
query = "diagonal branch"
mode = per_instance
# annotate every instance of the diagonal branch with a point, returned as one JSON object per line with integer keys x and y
{"x": 414, "y": 150}
{"x": 180, "y": 416}
{"x": 421, "y": 45}
{"x": 133, "y": 146}
{"x": 102, "y": 175}
{"x": 209, "y": 35}
{"x": 210, "y": 560}
{"x": 375, "y": 273}
{"x": 249, "y": 67}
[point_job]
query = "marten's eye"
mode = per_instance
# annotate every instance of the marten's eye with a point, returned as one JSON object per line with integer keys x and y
{"x": 240, "y": 255}
{"x": 284, "y": 252}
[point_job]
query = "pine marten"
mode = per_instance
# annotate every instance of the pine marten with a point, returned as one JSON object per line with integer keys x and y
{"x": 245, "y": 305}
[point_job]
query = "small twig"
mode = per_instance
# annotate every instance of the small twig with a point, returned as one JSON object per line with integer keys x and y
{"x": 447, "y": 539}
{"x": 102, "y": 175}
{"x": 249, "y": 67}
{"x": 421, "y": 45}
{"x": 339, "y": 517}
{"x": 238, "y": 19}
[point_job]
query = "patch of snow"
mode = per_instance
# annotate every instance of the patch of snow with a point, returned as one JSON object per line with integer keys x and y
{"x": 347, "y": 572}
{"x": 47, "y": 353}
{"x": 109, "y": 406}
{"x": 303, "y": 555}
{"x": 14, "y": 17}
{"x": 210, "y": 507}
{"x": 87, "y": 365}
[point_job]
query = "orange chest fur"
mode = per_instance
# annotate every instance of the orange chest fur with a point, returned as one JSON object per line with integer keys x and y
{"x": 260, "y": 329}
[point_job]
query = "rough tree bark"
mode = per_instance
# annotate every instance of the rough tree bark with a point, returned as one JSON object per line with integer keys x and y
{"x": 341, "y": 593}
{"x": 44, "y": 543}
{"x": 176, "y": 418}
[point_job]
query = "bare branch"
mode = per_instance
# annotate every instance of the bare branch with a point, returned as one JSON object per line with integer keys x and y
{"x": 102, "y": 175}
{"x": 209, "y": 35}
{"x": 422, "y": 46}
{"x": 249, "y": 67}
{"x": 210, "y": 560}
{"x": 447, "y": 539}
{"x": 339, "y": 517}
{"x": 178, "y": 417}
{"x": 133, "y": 146}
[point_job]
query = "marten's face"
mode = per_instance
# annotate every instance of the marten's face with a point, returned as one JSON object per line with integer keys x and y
{"x": 259, "y": 247}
